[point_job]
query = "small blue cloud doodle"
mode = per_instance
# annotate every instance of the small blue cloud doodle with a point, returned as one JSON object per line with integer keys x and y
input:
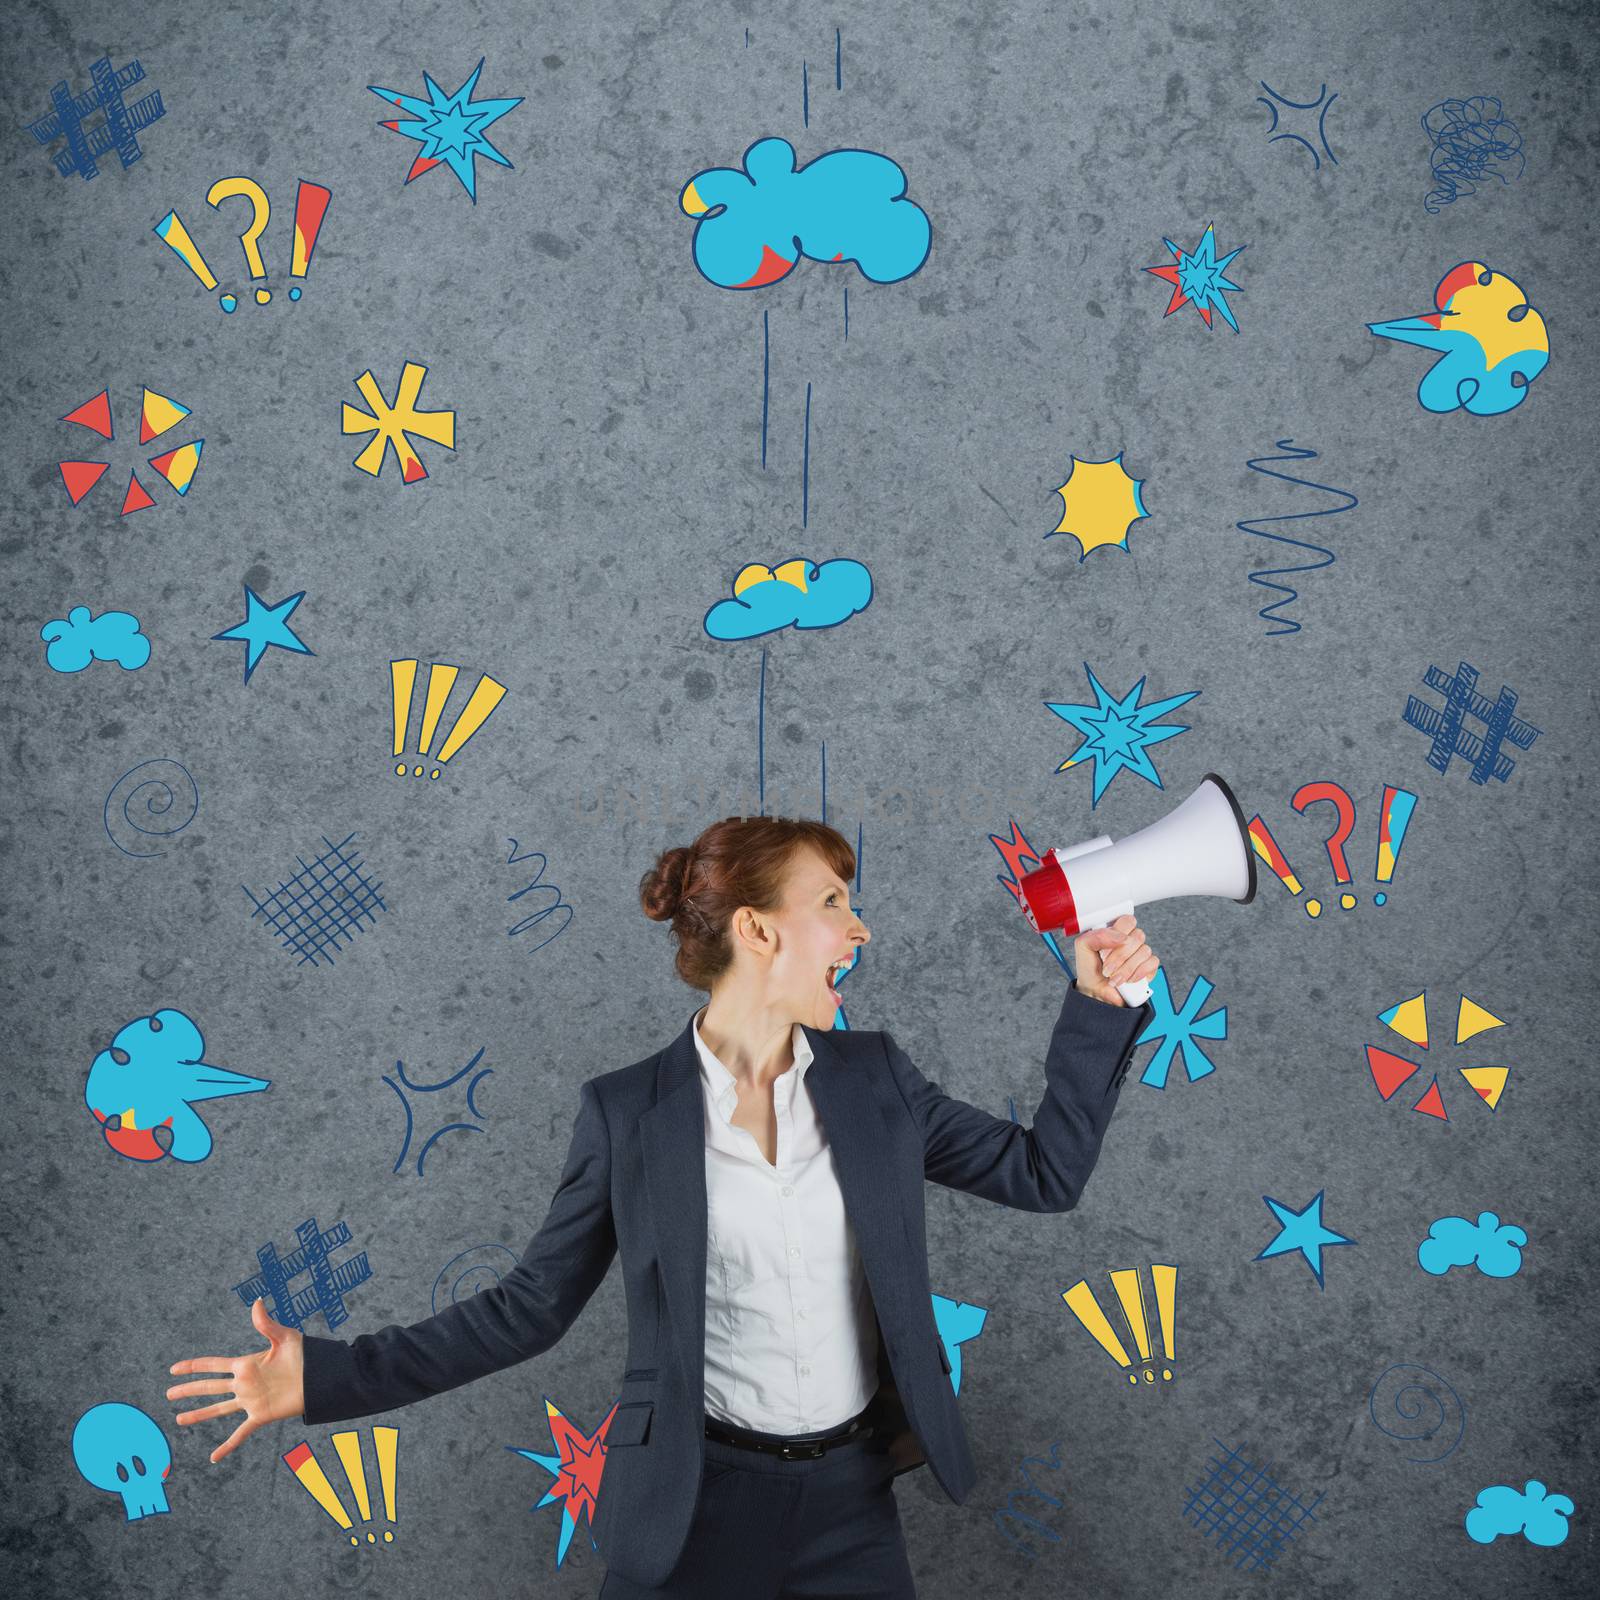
{"x": 71, "y": 643}
{"x": 847, "y": 205}
{"x": 1541, "y": 1517}
{"x": 795, "y": 594}
{"x": 1116, "y": 732}
{"x": 1495, "y": 1248}
{"x": 121, "y": 1449}
{"x": 150, "y": 1077}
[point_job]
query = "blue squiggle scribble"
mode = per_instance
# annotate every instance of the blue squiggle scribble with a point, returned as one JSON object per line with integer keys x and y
{"x": 1467, "y": 135}
{"x": 1050, "y": 1533}
{"x": 1264, "y": 577}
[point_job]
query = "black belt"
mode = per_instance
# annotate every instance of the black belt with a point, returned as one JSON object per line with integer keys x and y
{"x": 788, "y": 1447}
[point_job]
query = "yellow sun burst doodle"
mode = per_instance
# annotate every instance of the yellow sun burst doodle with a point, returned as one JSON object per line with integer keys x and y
{"x": 1101, "y": 503}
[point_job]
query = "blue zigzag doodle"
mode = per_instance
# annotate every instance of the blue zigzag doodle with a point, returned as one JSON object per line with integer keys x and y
{"x": 1038, "y": 1494}
{"x": 557, "y": 903}
{"x": 1178, "y": 1030}
{"x": 434, "y": 1088}
{"x": 1264, "y": 577}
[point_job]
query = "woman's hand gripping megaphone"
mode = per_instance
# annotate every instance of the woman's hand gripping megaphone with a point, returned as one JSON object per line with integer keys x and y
{"x": 1114, "y": 964}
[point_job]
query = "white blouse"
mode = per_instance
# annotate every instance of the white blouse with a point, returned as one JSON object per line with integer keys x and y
{"x": 791, "y": 1334}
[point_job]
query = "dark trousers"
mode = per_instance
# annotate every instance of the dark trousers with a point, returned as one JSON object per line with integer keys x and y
{"x": 769, "y": 1529}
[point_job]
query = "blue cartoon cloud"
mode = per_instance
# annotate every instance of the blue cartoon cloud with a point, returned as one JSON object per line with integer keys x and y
{"x": 796, "y": 594}
{"x": 1494, "y": 1247}
{"x": 847, "y": 205}
{"x": 1532, "y": 1511}
{"x": 71, "y": 644}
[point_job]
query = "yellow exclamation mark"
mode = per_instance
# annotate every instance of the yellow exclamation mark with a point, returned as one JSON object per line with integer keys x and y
{"x": 402, "y": 677}
{"x": 386, "y": 1445}
{"x": 1126, "y": 1283}
{"x": 348, "y": 1445}
{"x": 1080, "y": 1298}
{"x": 1165, "y": 1279}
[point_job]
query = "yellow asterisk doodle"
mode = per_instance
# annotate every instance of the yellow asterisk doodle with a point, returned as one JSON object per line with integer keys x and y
{"x": 1101, "y": 502}
{"x": 390, "y": 425}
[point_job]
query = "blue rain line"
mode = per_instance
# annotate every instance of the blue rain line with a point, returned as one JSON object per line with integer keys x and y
{"x": 766, "y": 369}
{"x": 1254, "y": 526}
{"x": 838, "y": 80}
{"x": 761, "y": 736}
{"x": 825, "y": 787}
{"x": 805, "y": 466}
{"x": 805, "y": 95}
{"x": 847, "y": 311}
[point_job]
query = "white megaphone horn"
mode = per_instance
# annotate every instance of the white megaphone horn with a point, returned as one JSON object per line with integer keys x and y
{"x": 1203, "y": 847}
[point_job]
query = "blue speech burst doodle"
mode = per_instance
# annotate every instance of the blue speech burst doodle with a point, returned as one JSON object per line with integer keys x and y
{"x": 74, "y": 641}
{"x": 265, "y": 627}
{"x": 1320, "y": 105}
{"x": 1117, "y": 732}
{"x": 1468, "y": 137}
{"x": 154, "y": 795}
{"x": 435, "y": 1088}
{"x": 71, "y": 117}
{"x": 1417, "y": 1398}
{"x": 1264, "y": 576}
{"x": 1199, "y": 278}
{"x": 1180, "y": 1029}
{"x": 753, "y": 226}
{"x": 1035, "y": 1493}
{"x": 327, "y": 901}
{"x": 451, "y": 128}
{"x": 1302, "y": 1231}
{"x": 330, "y": 1281}
{"x": 1443, "y": 725}
{"x": 121, "y": 1449}
{"x": 555, "y": 902}
{"x": 150, "y": 1076}
{"x": 1251, "y": 1516}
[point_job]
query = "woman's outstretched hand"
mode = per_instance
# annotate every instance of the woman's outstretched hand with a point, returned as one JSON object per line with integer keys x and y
{"x": 267, "y": 1386}
{"x": 1105, "y": 957}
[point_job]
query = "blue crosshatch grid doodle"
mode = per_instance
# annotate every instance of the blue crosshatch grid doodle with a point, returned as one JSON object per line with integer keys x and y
{"x": 1248, "y": 1512}
{"x": 330, "y": 1283}
{"x": 1450, "y": 739}
{"x": 69, "y": 115}
{"x": 324, "y": 902}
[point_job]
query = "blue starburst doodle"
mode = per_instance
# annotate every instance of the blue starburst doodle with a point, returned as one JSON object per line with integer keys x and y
{"x": 1322, "y": 104}
{"x": 265, "y": 626}
{"x": 1179, "y": 1029}
{"x": 1200, "y": 278}
{"x": 1115, "y": 732}
{"x": 449, "y": 127}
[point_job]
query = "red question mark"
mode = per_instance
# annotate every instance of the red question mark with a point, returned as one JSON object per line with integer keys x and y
{"x": 1308, "y": 794}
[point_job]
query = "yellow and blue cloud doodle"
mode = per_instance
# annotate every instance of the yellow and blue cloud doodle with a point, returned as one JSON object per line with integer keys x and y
{"x": 796, "y": 594}
{"x": 1492, "y": 343}
{"x": 846, "y": 205}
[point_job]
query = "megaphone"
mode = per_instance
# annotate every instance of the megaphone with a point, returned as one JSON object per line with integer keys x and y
{"x": 1201, "y": 848}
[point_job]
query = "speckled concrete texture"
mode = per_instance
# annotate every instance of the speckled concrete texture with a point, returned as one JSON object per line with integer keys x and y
{"x": 608, "y": 481}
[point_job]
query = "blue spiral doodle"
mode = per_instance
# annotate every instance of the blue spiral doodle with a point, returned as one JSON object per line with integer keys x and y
{"x": 1264, "y": 577}
{"x": 155, "y": 805}
{"x": 1466, "y": 137}
{"x": 1415, "y": 1397}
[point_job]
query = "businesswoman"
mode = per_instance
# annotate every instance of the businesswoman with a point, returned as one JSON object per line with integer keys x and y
{"x": 761, "y": 1180}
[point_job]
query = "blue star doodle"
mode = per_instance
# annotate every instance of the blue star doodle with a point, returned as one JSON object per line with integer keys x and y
{"x": 449, "y": 127}
{"x": 1200, "y": 278}
{"x": 1322, "y": 103}
{"x": 433, "y": 1088}
{"x": 1115, "y": 732}
{"x": 1302, "y": 1231}
{"x": 1179, "y": 1029}
{"x": 265, "y": 625}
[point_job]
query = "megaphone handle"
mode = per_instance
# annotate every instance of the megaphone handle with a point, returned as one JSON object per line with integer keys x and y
{"x": 1135, "y": 993}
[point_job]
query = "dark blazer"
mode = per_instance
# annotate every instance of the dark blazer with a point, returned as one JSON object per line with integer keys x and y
{"x": 634, "y": 1186}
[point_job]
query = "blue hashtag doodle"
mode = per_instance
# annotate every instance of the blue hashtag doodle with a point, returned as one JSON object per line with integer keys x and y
{"x": 329, "y": 1283}
{"x": 1178, "y": 1030}
{"x": 1443, "y": 725}
{"x": 70, "y": 115}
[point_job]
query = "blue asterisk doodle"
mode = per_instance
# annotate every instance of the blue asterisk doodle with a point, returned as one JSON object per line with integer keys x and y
{"x": 450, "y": 128}
{"x": 1178, "y": 1030}
{"x": 265, "y": 625}
{"x": 1199, "y": 277}
{"x": 1115, "y": 732}
{"x": 1302, "y": 1231}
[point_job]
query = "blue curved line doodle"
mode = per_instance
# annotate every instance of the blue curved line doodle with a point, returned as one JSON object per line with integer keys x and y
{"x": 1295, "y": 453}
{"x": 1466, "y": 139}
{"x": 1301, "y": 105}
{"x": 1038, "y": 1494}
{"x": 550, "y": 888}
{"x": 431, "y": 1088}
{"x": 154, "y": 805}
{"x": 1411, "y": 1411}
